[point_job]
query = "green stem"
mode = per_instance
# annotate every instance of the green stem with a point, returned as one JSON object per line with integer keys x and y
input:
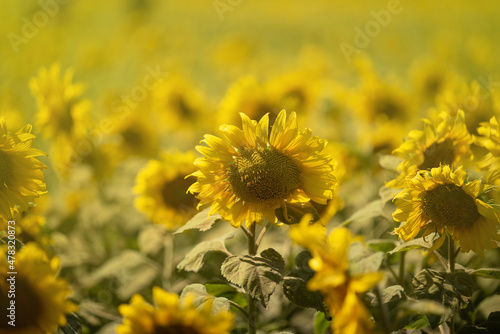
{"x": 261, "y": 236}
{"x": 402, "y": 268}
{"x": 451, "y": 265}
{"x": 168, "y": 260}
{"x": 383, "y": 311}
{"x": 252, "y": 306}
{"x": 239, "y": 308}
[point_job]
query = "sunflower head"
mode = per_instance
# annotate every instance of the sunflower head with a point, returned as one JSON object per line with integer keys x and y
{"x": 161, "y": 187}
{"x": 170, "y": 315}
{"x": 41, "y": 298}
{"x": 250, "y": 173}
{"x": 442, "y": 200}
{"x": 443, "y": 143}
{"x": 21, "y": 178}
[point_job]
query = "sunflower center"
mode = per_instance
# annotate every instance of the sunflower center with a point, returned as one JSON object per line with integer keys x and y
{"x": 29, "y": 306}
{"x": 176, "y": 329}
{"x": 5, "y": 169}
{"x": 173, "y": 193}
{"x": 449, "y": 205}
{"x": 437, "y": 153}
{"x": 259, "y": 176}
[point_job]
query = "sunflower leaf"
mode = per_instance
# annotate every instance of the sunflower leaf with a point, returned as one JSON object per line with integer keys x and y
{"x": 257, "y": 275}
{"x": 450, "y": 290}
{"x": 295, "y": 285}
{"x": 426, "y": 242}
{"x": 321, "y": 323}
{"x": 201, "y": 221}
{"x": 487, "y": 273}
{"x": 227, "y": 291}
{"x": 369, "y": 211}
{"x": 73, "y": 324}
{"x": 201, "y": 298}
{"x": 194, "y": 260}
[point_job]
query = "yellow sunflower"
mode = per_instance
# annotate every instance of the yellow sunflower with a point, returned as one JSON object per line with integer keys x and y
{"x": 250, "y": 173}
{"x": 443, "y": 143}
{"x": 21, "y": 178}
{"x": 441, "y": 200}
{"x": 332, "y": 278}
{"x": 161, "y": 187}
{"x": 169, "y": 315}
{"x": 41, "y": 299}
{"x": 489, "y": 138}
{"x": 62, "y": 113}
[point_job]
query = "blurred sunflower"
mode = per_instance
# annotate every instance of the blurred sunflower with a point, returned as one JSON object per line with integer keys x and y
{"x": 21, "y": 178}
{"x": 248, "y": 97}
{"x": 170, "y": 315}
{"x": 62, "y": 114}
{"x": 178, "y": 103}
{"x": 442, "y": 200}
{"x": 332, "y": 278}
{"x": 41, "y": 298}
{"x": 489, "y": 138}
{"x": 249, "y": 174}
{"x": 161, "y": 187}
{"x": 443, "y": 143}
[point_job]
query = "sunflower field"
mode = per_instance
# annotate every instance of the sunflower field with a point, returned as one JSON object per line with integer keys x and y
{"x": 237, "y": 166}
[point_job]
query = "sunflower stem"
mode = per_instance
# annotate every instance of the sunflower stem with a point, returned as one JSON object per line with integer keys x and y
{"x": 261, "y": 236}
{"x": 451, "y": 254}
{"x": 168, "y": 260}
{"x": 252, "y": 306}
{"x": 402, "y": 268}
{"x": 383, "y": 311}
{"x": 239, "y": 308}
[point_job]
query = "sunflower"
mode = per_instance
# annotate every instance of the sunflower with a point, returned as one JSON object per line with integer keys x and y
{"x": 170, "y": 315}
{"x": 161, "y": 187}
{"x": 40, "y": 298}
{"x": 489, "y": 138}
{"x": 249, "y": 174}
{"x": 442, "y": 200}
{"x": 333, "y": 278}
{"x": 62, "y": 113}
{"x": 443, "y": 143}
{"x": 21, "y": 178}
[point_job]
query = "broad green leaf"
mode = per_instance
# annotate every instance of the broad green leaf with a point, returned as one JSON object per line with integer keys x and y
{"x": 201, "y": 298}
{"x": 136, "y": 280}
{"x": 382, "y": 245}
{"x": 152, "y": 238}
{"x": 321, "y": 324}
{"x": 367, "y": 264}
{"x": 450, "y": 290}
{"x": 387, "y": 194}
{"x": 193, "y": 261}
{"x": 201, "y": 221}
{"x": 418, "y": 322}
{"x": 227, "y": 291}
{"x": 73, "y": 324}
{"x": 17, "y": 243}
{"x": 390, "y": 162}
{"x": 392, "y": 297}
{"x": 371, "y": 210}
{"x": 489, "y": 305}
{"x": 487, "y": 273}
{"x": 258, "y": 276}
{"x": 426, "y": 242}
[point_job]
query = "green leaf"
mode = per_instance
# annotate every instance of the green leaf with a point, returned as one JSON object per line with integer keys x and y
{"x": 426, "y": 242}
{"x": 489, "y": 305}
{"x": 367, "y": 264}
{"x": 450, "y": 290}
{"x": 201, "y": 221}
{"x": 258, "y": 276}
{"x": 18, "y": 244}
{"x": 295, "y": 285}
{"x": 321, "y": 324}
{"x": 227, "y": 291}
{"x": 152, "y": 238}
{"x": 370, "y": 210}
{"x": 201, "y": 298}
{"x": 382, "y": 245}
{"x": 390, "y": 162}
{"x": 487, "y": 273}
{"x": 73, "y": 324}
{"x": 418, "y": 322}
{"x": 392, "y": 297}
{"x": 194, "y": 260}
